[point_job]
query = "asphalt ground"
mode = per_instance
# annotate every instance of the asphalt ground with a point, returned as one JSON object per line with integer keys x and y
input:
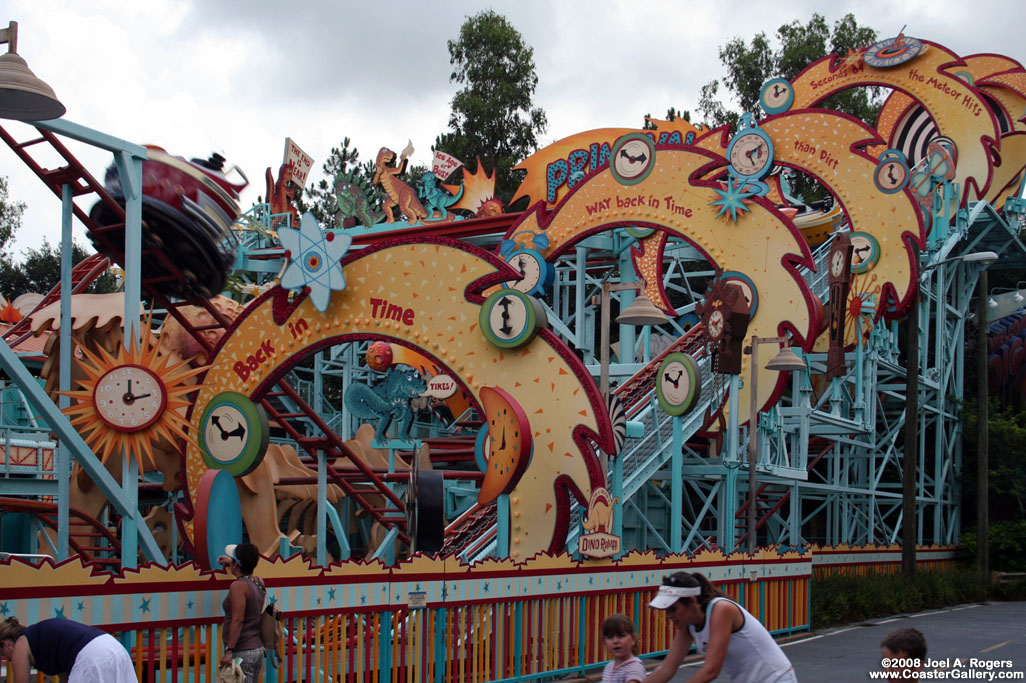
{"x": 977, "y": 642}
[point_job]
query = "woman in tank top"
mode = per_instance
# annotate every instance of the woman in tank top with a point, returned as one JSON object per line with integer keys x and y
{"x": 242, "y": 608}
{"x": 731, "y": 639}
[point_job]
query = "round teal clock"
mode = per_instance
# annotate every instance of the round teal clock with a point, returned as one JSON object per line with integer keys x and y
{"x": 750, "y": 151}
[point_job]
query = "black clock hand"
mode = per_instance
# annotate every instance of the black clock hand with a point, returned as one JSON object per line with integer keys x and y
{"x": 216, "y": 421}
{"x": 239, "y": 431}
{"x": 135, "y": 398}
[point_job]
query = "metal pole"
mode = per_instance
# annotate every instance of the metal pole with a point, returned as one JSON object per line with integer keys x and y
{"x": 753, "y": 442}
{"x": 982, "y": 436}
{"x": 908, "y": 485}
{"x": 604, "y": 340}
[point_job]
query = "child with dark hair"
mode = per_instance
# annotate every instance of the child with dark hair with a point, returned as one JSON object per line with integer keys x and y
{"x": 906, "y": 650}
{"x": 725, "y": 632}
{"x": 622, "y": 643}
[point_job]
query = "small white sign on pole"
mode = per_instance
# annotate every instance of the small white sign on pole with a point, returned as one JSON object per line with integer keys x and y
{"x": 443, "y": 165}
{"x": 297, "y": 162}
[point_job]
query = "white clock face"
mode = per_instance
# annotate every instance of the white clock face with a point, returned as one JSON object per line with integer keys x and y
{"x": 529, "y": 266}
{"x": 226, "y": 433}
{"x": 837, "y": 264}
{"x": 777, "y": 96}
{"x": 750, "y": 155}
{"x": 509, "y": 318}
{"x": 891, "y": 176}
{"x": 633, "y": 158}
{"x": 716, "y": 323}
{"x": 129, "y": 398}
{"x": 675, "y": 383}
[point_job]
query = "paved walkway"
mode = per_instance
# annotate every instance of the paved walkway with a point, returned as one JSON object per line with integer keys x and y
{"x": 969, "y": 642}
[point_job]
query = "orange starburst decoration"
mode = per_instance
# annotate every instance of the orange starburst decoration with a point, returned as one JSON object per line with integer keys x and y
{"x": 854, "y": 57}
{"x": 478, "y": 193}
{"x": 103, "y": 394}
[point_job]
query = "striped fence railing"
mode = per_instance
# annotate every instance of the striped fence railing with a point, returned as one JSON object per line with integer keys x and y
{"x": 422, "y": 620}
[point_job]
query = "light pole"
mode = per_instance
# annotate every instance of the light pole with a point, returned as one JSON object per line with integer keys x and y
{"x": 784, "y": 361}
{"x": 982, "y": 435}
{"x": 909, "y": 523}
{"x": 641, "y": 311}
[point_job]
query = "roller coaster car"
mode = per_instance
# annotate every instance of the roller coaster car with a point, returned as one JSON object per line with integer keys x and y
{"x": 188, "y": 208}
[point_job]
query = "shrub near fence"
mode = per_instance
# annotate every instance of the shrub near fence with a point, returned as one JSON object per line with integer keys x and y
{"x": 496, "y": 621}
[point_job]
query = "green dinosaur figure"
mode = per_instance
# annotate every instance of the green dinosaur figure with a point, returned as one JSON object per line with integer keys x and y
{"x": 435, "y": 197}
{"x": 352, "y": 201}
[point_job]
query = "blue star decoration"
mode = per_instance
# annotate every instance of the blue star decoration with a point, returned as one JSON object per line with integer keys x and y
{"x": 314, "y": 260}
{"x": 189, "y": 604}
{"x": 145, "y": 605}
{"x": 331, "y": 594}
{"x": 732, "y": 198}
{"x": 81, "y": 606}
{"x": 4, "y": 608}
{"x": 59, "y": 613}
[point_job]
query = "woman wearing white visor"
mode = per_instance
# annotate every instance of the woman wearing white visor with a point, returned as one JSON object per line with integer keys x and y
{"x": 725, "y": 632}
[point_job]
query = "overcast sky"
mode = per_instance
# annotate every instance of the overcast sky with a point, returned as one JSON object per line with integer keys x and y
{"x": 239, "y": 76}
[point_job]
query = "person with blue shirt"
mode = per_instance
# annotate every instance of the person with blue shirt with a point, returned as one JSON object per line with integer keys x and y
{"x": 61, "y": 647}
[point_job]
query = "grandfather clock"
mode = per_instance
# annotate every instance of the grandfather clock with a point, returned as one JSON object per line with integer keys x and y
{"x": 840, "y": 283}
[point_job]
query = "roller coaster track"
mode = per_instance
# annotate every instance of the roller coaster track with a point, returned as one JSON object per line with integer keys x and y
{"x": 86, "y": 189}
{"x": 86, "y": 535}
{"x": 472, "y": 535}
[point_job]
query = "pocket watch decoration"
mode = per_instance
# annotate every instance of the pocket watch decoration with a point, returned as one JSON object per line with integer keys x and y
{"x": 750, "y": 158}
{"x": 130, "y": 400}
{"x": 538, "y": 274}
{"x": 750, "y": 151}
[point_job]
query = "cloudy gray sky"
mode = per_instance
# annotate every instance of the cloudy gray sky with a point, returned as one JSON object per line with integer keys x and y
{"x": 239, "y": 76}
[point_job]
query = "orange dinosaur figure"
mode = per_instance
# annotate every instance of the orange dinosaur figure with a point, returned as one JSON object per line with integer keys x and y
{"x": 399, "y": 193}
{"x": 280, "y": 195}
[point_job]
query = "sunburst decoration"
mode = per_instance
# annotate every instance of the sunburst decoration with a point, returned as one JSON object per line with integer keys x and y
{"x": 732, "y": 198}
{"x": 105, "y": 440}
{"x": 859, "y": 311}
{"x": 478, "y": 193}
{"x": 854, "y": 57}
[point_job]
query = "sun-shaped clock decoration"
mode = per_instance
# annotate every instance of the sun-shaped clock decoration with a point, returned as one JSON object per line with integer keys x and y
{"x": 130, "y": 400}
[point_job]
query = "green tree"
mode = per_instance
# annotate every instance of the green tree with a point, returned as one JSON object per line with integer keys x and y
{"x": 319, "y": 198}
{"x": 493, "y": 117}
{"x": 10, "y": 217}
{"x": 750, "y": 66}
{"x": 40, "y": 271}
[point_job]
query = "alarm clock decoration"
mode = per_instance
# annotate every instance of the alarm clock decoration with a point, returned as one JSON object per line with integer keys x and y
{"x": 538, "y": 274}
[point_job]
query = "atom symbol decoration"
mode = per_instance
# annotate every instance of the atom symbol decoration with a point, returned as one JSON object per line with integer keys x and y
{"x": 732, "y": 198}
{"x": 314, "y": 260}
